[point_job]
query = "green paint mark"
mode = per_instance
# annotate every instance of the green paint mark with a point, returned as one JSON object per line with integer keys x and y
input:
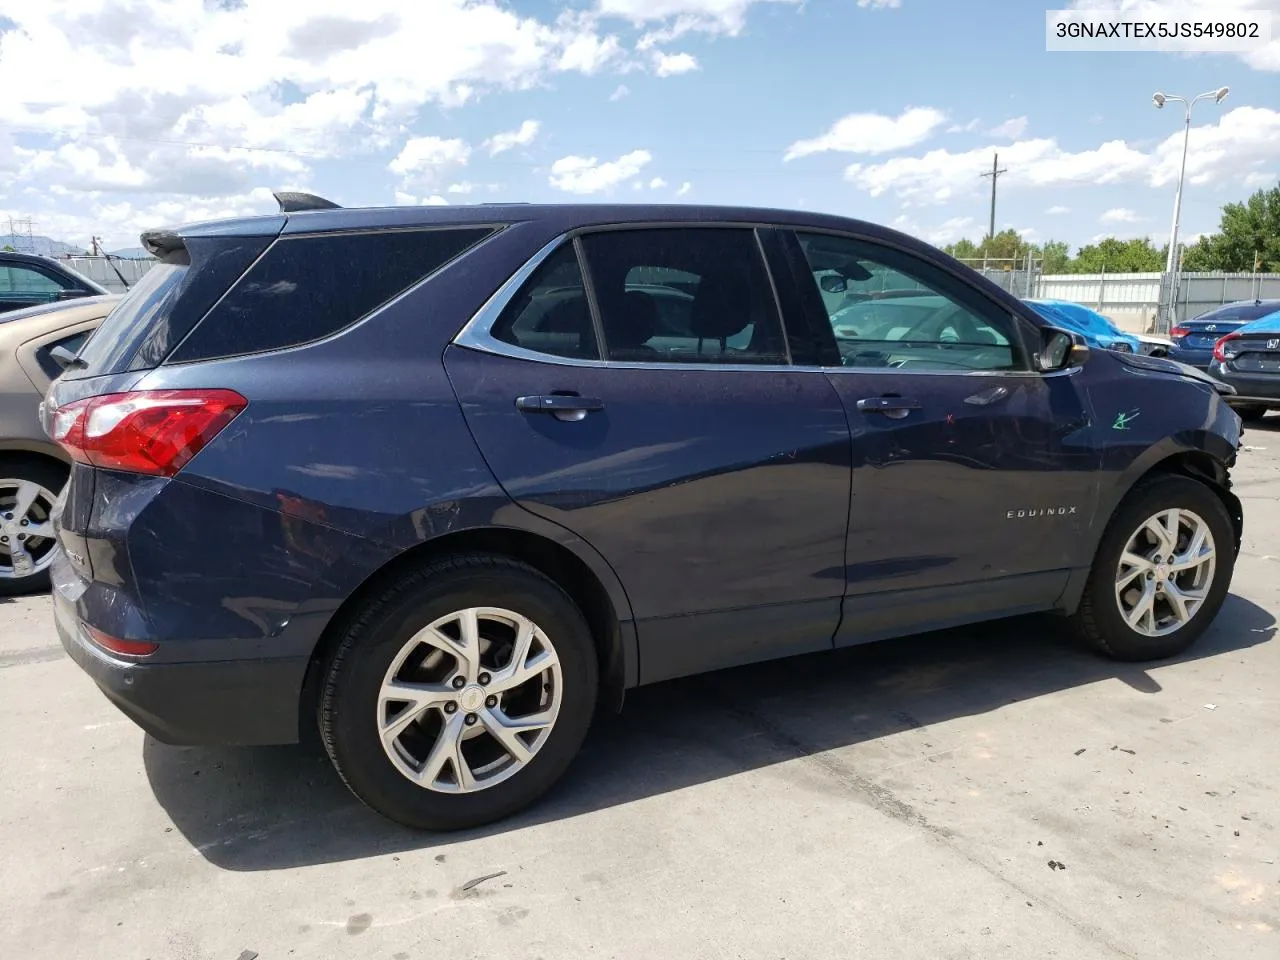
{"x": 1124, "y": 419}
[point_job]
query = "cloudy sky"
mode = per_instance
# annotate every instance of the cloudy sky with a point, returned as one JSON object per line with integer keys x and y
{"x": 119, "y": 115}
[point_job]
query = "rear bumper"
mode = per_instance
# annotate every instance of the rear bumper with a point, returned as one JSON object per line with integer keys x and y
{"x": 1192, "y": 358}
{"x": 1250, "y": 390}
{"x": 232, "y": 702}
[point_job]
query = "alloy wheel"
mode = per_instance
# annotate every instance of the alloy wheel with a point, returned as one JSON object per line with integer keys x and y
{"x": 26, "y": 530}
{"x": 1165, "y": 572}
{"x": 469, "y": 700}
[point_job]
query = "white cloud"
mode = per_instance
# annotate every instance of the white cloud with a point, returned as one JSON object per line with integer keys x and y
{"x": 872, "y": 133}
{"x": 969, "y": 127}
{"x": 671, "y": 64}
{"x": 880, "y": 4}
{"x": 1057, "y": 209}
{"x": 657, "y": 183}
{"x": 204, "y": 100}
{"x": 521, "y": 137}
{"x": 409, "y": 200}
{"x": 711, "y": 16}
{"x": 1263, "y": 58}
{"x": 427, "y": 160}
{"x": 1011, "y": 129}
{"x": 1260, "y": 178}
{"x": 1120, "y": 215}
{"x": 622, "y": 91}
{"x": 1226, "y": 151}
{"x": 684, "y": 188}
{"x": 949, "y": 231}
{"x": 585, "y": 175}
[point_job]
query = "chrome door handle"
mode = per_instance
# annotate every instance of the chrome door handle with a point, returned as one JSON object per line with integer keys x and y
{"x": 560, "y": 406}
{"x": 895, "y": 408}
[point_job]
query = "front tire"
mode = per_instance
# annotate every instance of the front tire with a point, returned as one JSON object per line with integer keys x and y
{"x": 1161, "y": 572}
{"x": 460, "y": 694}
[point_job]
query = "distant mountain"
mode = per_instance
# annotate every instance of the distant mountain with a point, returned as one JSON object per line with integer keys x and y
{"x": 37, "y": 244}
{"x": 131, "y": 253}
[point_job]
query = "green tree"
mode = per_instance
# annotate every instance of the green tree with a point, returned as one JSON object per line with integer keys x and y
{"x": 1118, "y": 256}
{"x": 8, "y": 248}
{"x": 1056, "y": 256}
{"x": 1246, "y": 230}
{"x": 962, "y": 250}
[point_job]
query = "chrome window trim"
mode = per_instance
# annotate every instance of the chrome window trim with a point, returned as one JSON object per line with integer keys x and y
{"x": 475, "y": 333}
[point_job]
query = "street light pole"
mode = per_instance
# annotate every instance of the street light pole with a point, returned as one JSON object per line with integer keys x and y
{"x": 1171, "y": 261}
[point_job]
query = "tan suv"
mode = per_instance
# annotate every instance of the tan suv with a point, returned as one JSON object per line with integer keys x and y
{"x": 32, "y": 467}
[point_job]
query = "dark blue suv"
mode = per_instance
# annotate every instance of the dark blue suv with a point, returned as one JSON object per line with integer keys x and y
{"x": 443, "y": 480}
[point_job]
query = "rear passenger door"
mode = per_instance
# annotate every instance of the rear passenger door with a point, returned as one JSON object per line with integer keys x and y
{"x": 636, "y": 389}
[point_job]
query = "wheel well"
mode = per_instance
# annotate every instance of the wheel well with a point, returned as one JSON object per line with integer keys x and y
{"x": 549, "y": 558}
{"x": 1208, "y": 470}
{"x": 15, "y": 456}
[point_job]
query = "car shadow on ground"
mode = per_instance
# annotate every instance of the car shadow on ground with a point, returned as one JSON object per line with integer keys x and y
{"x": 277, "y": 807}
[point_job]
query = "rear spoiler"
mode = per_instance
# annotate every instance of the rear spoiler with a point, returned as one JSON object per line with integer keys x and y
{"x": 167, "y": 246}
{"x": 292, "y": 202}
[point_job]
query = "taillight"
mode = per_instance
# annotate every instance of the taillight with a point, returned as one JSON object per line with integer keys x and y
{"x": 1177, "y": 333}
{"x": 130, "y": 648}
{"x": 155, "y": 432}
{"x": 1226, "y": 348}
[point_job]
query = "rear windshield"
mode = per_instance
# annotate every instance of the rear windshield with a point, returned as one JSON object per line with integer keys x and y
{"x": 166, "y": 304}
{"x": 1245, "y": 312}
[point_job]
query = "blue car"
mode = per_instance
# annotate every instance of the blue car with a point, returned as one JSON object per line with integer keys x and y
{"x": 1248, "y": 359}
{"x": 1193, "y": 340}
{"x": 1097, "y": 330}
{"x": 440, "y": 481}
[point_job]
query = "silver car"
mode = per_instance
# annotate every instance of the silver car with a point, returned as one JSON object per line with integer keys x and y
{"x": 34, "y": 344}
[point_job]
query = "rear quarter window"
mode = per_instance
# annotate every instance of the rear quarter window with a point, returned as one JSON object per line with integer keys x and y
{"x": 307, "y": 287}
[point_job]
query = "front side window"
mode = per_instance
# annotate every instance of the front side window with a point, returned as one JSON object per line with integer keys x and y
{"x": 684, "y": 295}
{"x": 886, "y": 310}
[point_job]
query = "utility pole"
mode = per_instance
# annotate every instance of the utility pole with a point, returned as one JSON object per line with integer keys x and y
{"x": 994, "y": 175}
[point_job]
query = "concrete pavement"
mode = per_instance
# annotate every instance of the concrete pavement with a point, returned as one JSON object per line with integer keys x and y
{"x": 900, "y": 800}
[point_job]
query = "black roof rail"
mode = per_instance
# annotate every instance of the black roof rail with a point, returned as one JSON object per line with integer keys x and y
{"x": 293, "y": 202}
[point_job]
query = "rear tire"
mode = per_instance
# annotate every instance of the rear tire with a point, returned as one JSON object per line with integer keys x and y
{"x": 458, "y": 763}
{"x": 1101, "y": 618}
{"x": 1251, "y": 414}
{"x": 17, "y": 475}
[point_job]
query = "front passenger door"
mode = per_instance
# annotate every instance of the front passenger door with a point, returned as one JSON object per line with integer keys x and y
{"x": 974, "y": 476}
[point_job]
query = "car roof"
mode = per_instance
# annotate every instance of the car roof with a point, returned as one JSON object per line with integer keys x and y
{"x": 12, "y": 256}
{"x": 1269, "y": 323}
{"x": 562, "y": 217}
{"x": 64, "y": 312}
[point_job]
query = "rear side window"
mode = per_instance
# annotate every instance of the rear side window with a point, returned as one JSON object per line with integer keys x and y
{"x": 165, "y": 304}
{"x": 305, "y": 288}
{"x": 684, "y": 295}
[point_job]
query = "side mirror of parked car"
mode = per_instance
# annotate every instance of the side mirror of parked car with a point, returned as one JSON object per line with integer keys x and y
{"x": 1060, "y": 350}
{"x": 834, "y": 283}
{"x": 1159, "y": 351}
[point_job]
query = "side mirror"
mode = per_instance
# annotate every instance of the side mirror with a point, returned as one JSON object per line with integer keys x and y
{"x": 1159, "y": 351}
{"x": 1060, "y": 350}
{"x": 834, "y": 283}
{"x": 64, "y": 357}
